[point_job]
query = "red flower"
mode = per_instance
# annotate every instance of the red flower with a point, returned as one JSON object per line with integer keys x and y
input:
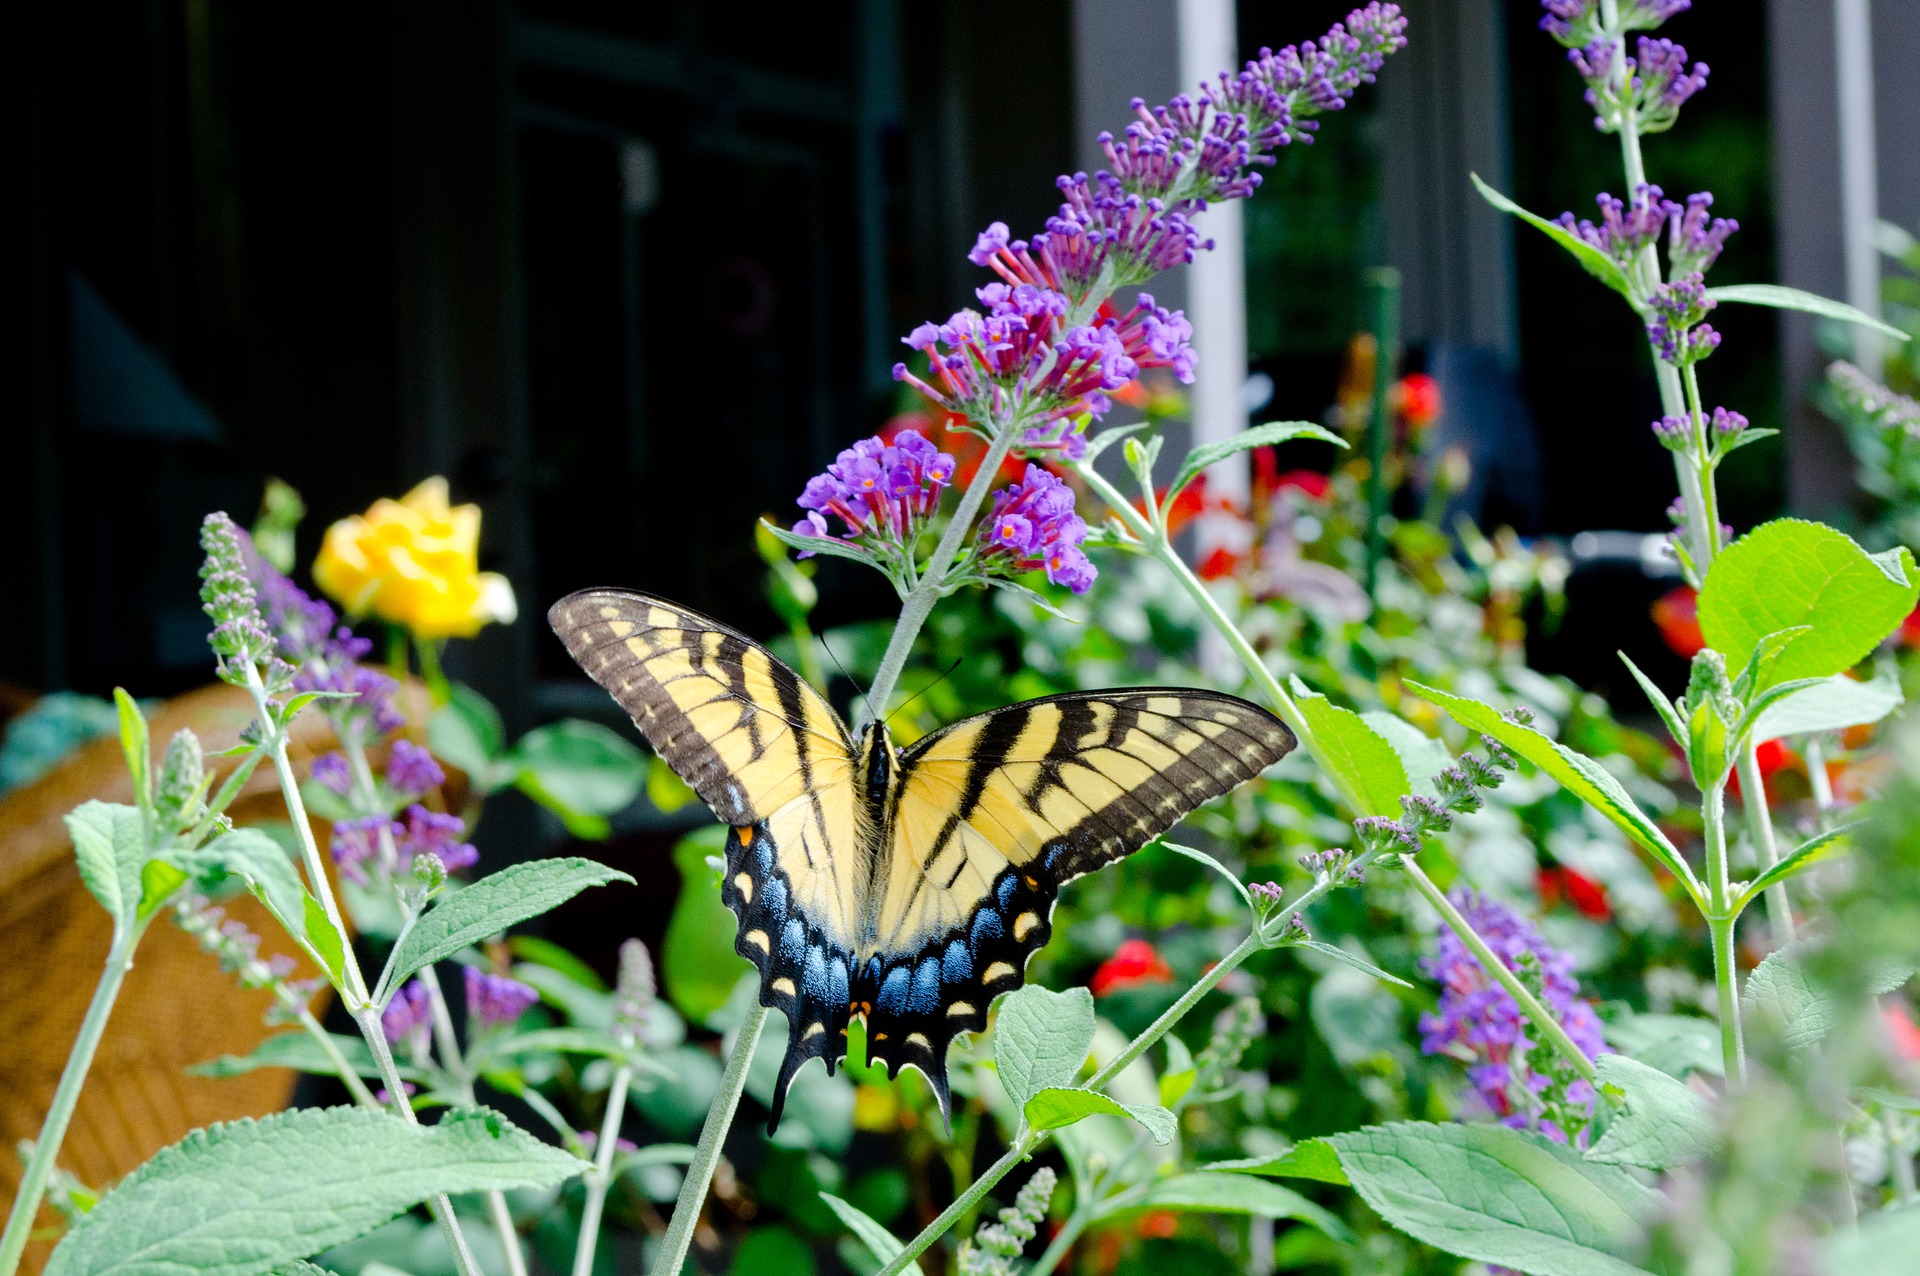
{"x": 1773, "y": 757}
{"x": 1677, "y": 614}
{"x": 1159, "y": 1224}
{"x": 1309, "y": 483}
{"x": 1562, "y": 883}
{"x": 1134, "y": 962}
{"x": 1220, "y": 564}
{"x": 1910, "y": 629}
{"x": 1419, "y": 400}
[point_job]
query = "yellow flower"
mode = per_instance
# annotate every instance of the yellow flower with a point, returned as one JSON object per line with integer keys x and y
{"x": 414, "y": 562}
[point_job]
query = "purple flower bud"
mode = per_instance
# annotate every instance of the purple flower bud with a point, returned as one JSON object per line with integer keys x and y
{"x": 430, "y": 831}
{"x": 1695, "y": 239}
{"x": 330, "y": 771}
{"x": 495, "y": 1001}
{"x": 1676, "y": 329}
{"x": 408, "y": 1018}
{"x": 411, "y": 770}
{"x": 356, "y": 847}
{"x": 1674, "y": 432}
{"x": 1727, "y": 423}
{"x": 992, "y": 240}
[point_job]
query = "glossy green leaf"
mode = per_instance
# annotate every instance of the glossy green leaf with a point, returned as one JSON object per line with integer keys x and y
{"x": 467, "y": 732}
{"x": 1058, "y": 1106}
{"x": 1778, "y": 297}
{"x": 492, "y": 905}
{"x": 1664, "y": 1123}
{"x": 1791, "y": 573}
{"x": 1344, "y": 744}
{"x": 1591, "y": 259}
{"x": 325, "y": 941}
{"x": 1499, "y": 1195}
{"x": 1578, "y": 774}
{"x": 581, "y": 771}
{"x": 1668, "y": 714}
{"x": 239, "y": 1198}
{"x": 879, "y": 1241}
{"x": 158, "y": 881}
{"x": 1041, "y": 1039}
{"x": 1267, "y": 435}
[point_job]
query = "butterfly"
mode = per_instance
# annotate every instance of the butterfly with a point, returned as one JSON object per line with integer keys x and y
{"x": 906, "y": 888}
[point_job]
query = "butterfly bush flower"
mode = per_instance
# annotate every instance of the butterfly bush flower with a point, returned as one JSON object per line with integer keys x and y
{"x": 1624, "y": 229}
{"x": 240, "y": 637}
{"x": 635, "y": 992}
{"x": 374, "y": 849}
{"x": 1577, "y": 22}
{"x": 237, "y": 948}
{"x": 1032, "y": 526}
{"x": 1527, "y": 1088}
{"x": 883, "y": 494}
{"x": 1647, "y": 88}
{"x": 1677, "y": 329}
{"x": 1695, "y": 239}
{"x": 412, "y": 771}
{"x": 496, "y": 1001}
{"x": 408, "y": 1018}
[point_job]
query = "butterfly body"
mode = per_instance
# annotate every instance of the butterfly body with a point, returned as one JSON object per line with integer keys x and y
{"x": 905, "y": 888}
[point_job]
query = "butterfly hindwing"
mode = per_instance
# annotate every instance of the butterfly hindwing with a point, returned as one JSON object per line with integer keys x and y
{"x": 994, "y": 814}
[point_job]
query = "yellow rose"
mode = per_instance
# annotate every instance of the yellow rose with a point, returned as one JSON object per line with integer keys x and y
{"x": 414, "y": 562}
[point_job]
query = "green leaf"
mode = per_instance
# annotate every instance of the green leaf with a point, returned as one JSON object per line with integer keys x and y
{"x": 581, "y": 771}
{"x": 136, "y": 746}
{"x": 881, "y": 1243}
{"x": 1498, "y": 1195}
{"x": 1260, "y": 436}
{"x": 299, "y": 1051}
{"x": 158, "y": 881}
{"x": 1041, "y": 1039}
{"x": 325, "y": 940}
{"x": 1344, "y": 744}
{"x": 1675, "y": 1044}
{"x": 698, "y": 965}
{"x": 258, "y": 862}
{"x": 1832, "y": 705}
{"x": 1591, "y": 259}
{"x": 1107, "y": 438}
{"x": 467, "y": 732}
{"x": 1058, "y": 1106}
{"x": 1201, "y": 857}
{"x": 1883, "y": 1245}
{"x": 831, "y": 546}
{"x": 241, "y": 1197}
{"x": 1789, "y": 573}
{"x": 1344, "y": 957}
{"x": 110, "y": 846}
{"x": 1779, "y": 990}
{"x": 1032, "y": 596}
{"x": 1578, "y": 774}
{"x": 1669, "y": 716}
{"x": 1782, "y": 298}
{"x": 490, "y": 906}
{"x": 1180, "y": 1074}
{"x": 301, "y": 1267}
{"x": 1816, "y": 849}
{"x": 1664, "y": 1124}
{"x": 1421, "y": 755}
{"x": 1207, "y": 1193}
{"x": 565, "y": 1041}
{"x": 1312, "y": 1159}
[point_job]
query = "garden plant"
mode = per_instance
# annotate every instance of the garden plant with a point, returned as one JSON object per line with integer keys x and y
{"x": 1479, "y": 973}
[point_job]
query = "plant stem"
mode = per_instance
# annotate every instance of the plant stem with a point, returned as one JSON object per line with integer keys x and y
{"x": 1541, "y": 1018}
{"x": 1056, "y": 1250}
{"x": 706, "y": 1154}
{"x": 1901, "y": 1150}
{"x": 349, "y": 1075}
{"x": 1022, "y": 1148}
{"x": 1173, "y": 1014}
{"x": 53, "y": 1130}
{"x": 365, "y": 1014}
{"x": 925, "y": 593}
{"x": 1753, "y": 800}
{"x": 601, "y": 1177}
{"x": 1720, "y": 923}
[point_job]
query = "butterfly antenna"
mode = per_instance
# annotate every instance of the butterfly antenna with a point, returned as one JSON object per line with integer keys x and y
{"x": 929, "y": 687}
{"x": 844, "y": 673}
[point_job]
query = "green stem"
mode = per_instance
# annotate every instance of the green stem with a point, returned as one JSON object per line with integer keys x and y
{"x": 706, "y": 1154}
{"x": 1753, "y": 800}
{"x": 1720, "y": 924}
{"x": 1077, "y": 1222}
{"x": 365, "y": 1014}
{"x": 430, "y": 672}
{"x": 1022, "y": 1148}
{"x": 1541, "y": 1018}
{"x": 601, "y": 1177}
{"x": 349, "y": 1075}
{"x": 1173, "y": 1014}
{"x": 53, "y": 1130}
{"x": 1900, "y": 1150}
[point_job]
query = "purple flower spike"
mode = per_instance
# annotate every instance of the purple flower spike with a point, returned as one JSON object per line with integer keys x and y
{"x": 408, "y": 1018}
{"x": 330, "y": 771}
{"x": 883, "y": 492}
{"x": 1478, "y": 1019}
{"x": 1676, "y": 329}
{"x": 1695, "y": 239}
{"x": 431, "y": 832}
{"x": 411, "y": 770}
{"x": 357, "y": 848}
{"x": 1623, "y": 231}
{"x": 495, "y": 1001}
{"x": 1033, "y": 527}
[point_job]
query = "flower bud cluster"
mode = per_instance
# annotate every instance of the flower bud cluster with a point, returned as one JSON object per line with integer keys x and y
{"x": 884, "y": 493}
{"x": 179, "y": 793}
{"x": 635, "y": 992}
{"x": 1032, "y": 527}
{"x": 1236, "y": 1029}
{"x": 240, "y": 638}
{"x": 375, "y": 850}
{"x": 238, "y": 950}
{"x": 996, "y": 1247}
{"x": 1677, "y": 329}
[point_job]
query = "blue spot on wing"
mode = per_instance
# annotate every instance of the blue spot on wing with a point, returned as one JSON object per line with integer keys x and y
{"x": 1004, "y": 892}
{"x": 793, "y": 944}
{"x": 892, "y": 996}
{"x": 924, "y": 998}
{"x": 773, "y": 895}
{"x": 837, "y": 982}
{"x": 815, "y": 978}
{"x": 958, "y": 963}
{"x": 986, "y": 925}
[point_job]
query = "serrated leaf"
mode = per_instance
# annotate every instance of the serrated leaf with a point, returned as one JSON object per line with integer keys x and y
{"x": 1591, "y": 259}
{"x": 136, "y": 747}
{"x": 1664, "y": 1124}
{"x": 490, "y": 906}
{"x": 1777, "y": 297}
{"x": 240, "y": 1198}
{"x": 301, "y": 1267}
{"x": 1041, "y": 1039}
{"x": 1499, "y": 1195}
{"x": 1201, "y": 857}
{"x": 1207, "y": 1193}
{"x": 881, "y": 1243}
{"x": 298, "y": 1050}
{"x": 110, "y": 847}
{"x": 1346, "y": 958}
{"x": 1267, "y": 435}
{"x": 1675, "y": 1044}
{"x": 1815, "y": 850}
{"x": 1831, "y": 705}
{"x": 1779, "y": 990}
{"x": 1368, "y": 767}
{"x": 1790, "y": 573}
{"x": 1311, "y": 1159}
{"x": 1421, "y": 755}
{"x": 1578, "y": 774}
{"x": 1058, "y": 1106}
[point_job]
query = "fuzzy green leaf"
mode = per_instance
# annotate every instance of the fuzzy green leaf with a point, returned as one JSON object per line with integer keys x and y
{"x": 1041, "y": 1038}
{"x": 1664, "y": 1124}
{"x": 263, "y": 867}
{"x": 110, "y": 846}
{"x": 1312, "y": 1159}
{"x": 1205, "y": 1193}
{"x": 831, "y": 546}
{"x": 1260, "y": 436}
{"x": 1578, "y": 774}
{"x": 1782, "y": 298}
{"x": 298, "y": 1050}
{"x": 1791, "y": 573}
{"x": 1591, "y": 259}
{"x": 1498, "y": 1195}
{"x": 1831, "y": 705}
{"x": 241, "y": 1198}
{"x": 1058, "y": 1106}
{"x": 1344, "y": 744}
{"x": 134, "y": 743}
{"x": 881, "y": 1243}
{"x": 490, "y": 906}
{"x": 1779, "y": 990}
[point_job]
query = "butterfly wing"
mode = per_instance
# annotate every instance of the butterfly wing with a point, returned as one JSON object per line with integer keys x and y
{"x": 992, "y": 815}
{"x": 772, "y": 759}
